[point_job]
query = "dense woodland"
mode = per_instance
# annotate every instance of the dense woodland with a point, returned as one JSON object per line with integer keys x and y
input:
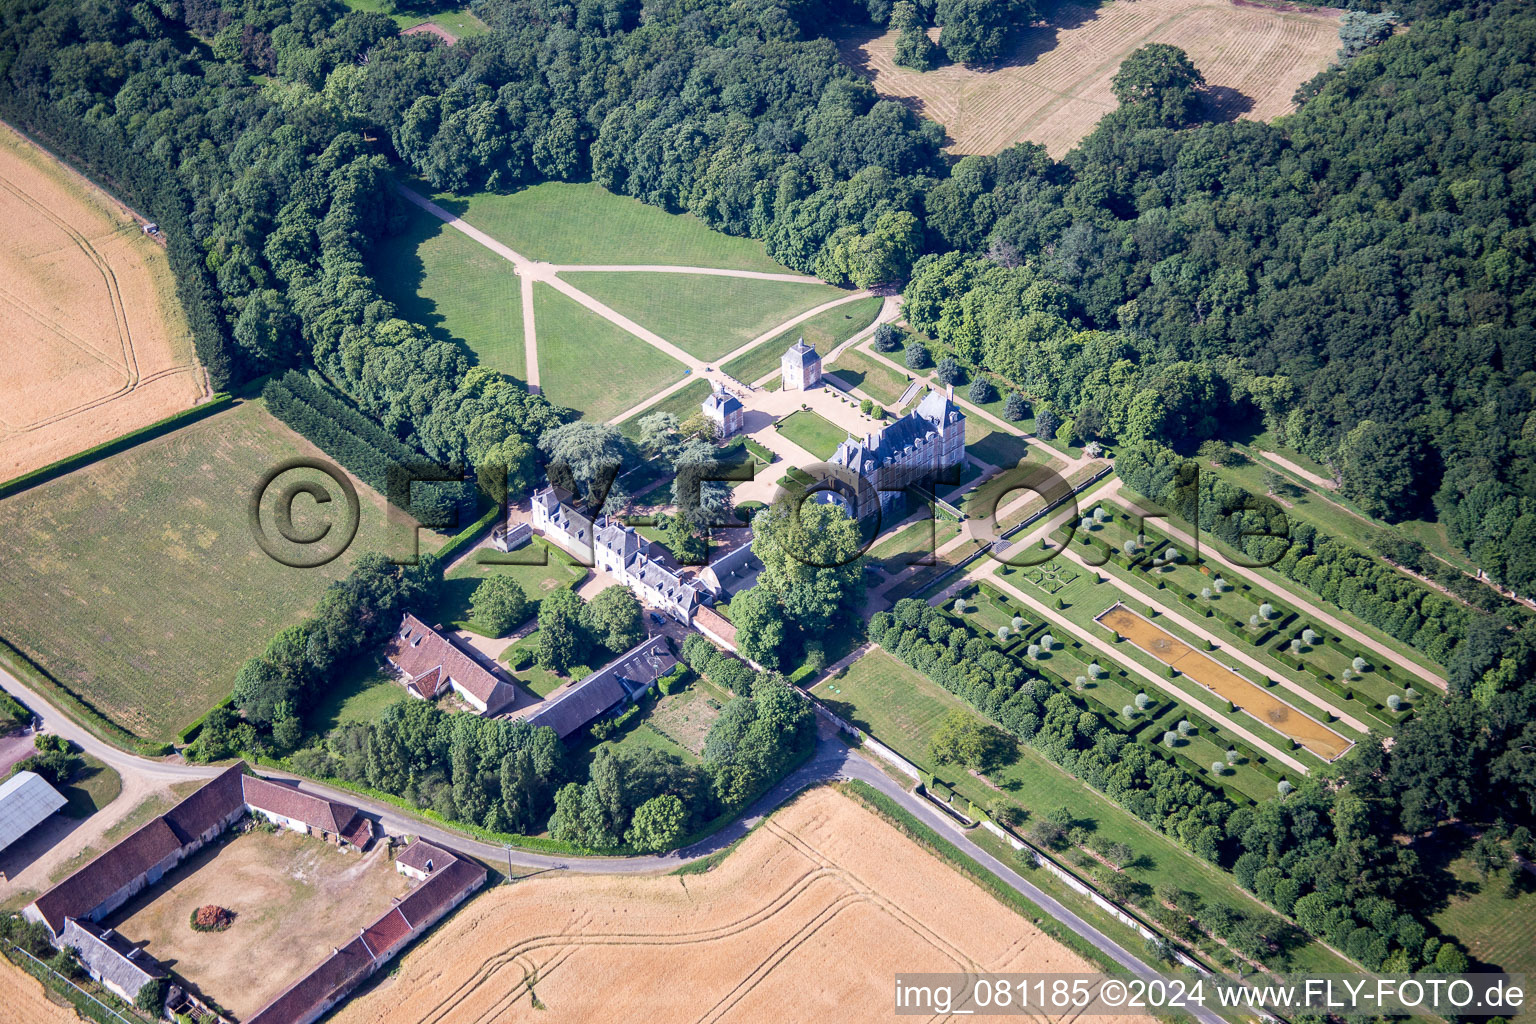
{"x": 1357, "y": 279}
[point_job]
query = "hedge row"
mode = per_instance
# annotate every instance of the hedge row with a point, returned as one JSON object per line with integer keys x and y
{"x": 70, "y": 463}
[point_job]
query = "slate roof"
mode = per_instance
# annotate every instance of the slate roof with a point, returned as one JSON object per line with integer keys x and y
{"x": 721, "y": 404}
{"x": 26, "y": 801}
{"x": 801, "y": 353}
{"x": 110, "y": 957}
{"x": 417, "y": 649}
{"x": 916, "y": 428}
{"x": 620, "y": 679}
{"x": 731, "y": 571}
{"x": 91, "y": 886}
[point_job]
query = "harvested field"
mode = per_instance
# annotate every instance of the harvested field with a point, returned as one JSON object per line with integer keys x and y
{"x": 1055, "y": 84}
{"x": 96, "y": 343}
{"x": 810, "y": 917}
{"x": 23, "y": 995}
{"x": 1216, "y": 677}
{"x": 294, "y": 898}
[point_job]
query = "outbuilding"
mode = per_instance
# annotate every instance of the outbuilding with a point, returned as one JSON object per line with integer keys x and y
{"x": 26, "y": 801}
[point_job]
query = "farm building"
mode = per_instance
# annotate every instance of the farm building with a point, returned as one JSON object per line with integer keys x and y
{"x": 622, "y": 680}
{"x": 420, "y": 859}
{"x": 450, "y": 883}
{"x": 111, "y": 959}
{"x": 142, "y": 859}
{"x": 801, "y": 367}
{"x": 26, "y": 801}
{"x": 431, "y": 664}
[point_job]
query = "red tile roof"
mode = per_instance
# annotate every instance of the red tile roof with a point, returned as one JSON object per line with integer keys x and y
{"x": 440, "y": 889}
{"x": 316, "y": 812}
{"x": 419, "y": 853}
{"x": 91, "y": 886}
{"x": 417, "y": 649}
{"x": 332, "y": 979}
{"x": 386, "y": 933}
{"x": 209, "y": 806}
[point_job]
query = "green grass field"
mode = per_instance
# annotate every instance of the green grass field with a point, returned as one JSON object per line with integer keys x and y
{"x": 136, "y": 582}
{"x": 705, "y": 315}
{"x": 874, "y": 378}
{"x": 558, "y": 570}
{"x": 901, "y": 708}
{"x": 564, "y": 222}
{"x": 816, "y": 434}
{"x": 361, "y": 695}
{"x": 456, "y": 288}
{"x": 682, "y": 403}
{"x": 1498, "y": 932}
{"x": 823, "y": 332}
{"x": 590, "y": 364}
{"x": 458, "y": 21}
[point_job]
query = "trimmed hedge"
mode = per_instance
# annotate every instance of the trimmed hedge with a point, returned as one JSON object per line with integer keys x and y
{"x": 70, "y": 463}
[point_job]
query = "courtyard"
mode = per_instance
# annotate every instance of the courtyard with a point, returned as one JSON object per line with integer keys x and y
{"x": 294, "y": 898}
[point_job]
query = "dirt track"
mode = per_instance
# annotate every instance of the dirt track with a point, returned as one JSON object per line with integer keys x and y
{"x": 95, "y": 341}
{"x": 1219, "y": 679}
{"x": 1055, "y": 84}
{"x": 808, "y": 920}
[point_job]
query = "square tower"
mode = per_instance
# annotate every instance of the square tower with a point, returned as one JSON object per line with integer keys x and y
{"x": 801, "y": 367}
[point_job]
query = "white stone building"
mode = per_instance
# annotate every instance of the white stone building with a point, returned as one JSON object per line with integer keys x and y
{"x": 801, "y": 367}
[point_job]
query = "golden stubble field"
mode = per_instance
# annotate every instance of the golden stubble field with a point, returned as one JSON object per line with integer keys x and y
{"x": 808, "y": 920}
{"x": 1055, "y": 84}
{"x": 23, "y": 995}
{"x": 95, "y": 342}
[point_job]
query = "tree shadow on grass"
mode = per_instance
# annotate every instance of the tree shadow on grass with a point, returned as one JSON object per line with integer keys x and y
{"x": 1220, "y": 103}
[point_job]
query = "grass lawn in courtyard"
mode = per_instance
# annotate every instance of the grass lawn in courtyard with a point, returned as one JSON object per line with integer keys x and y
{"x": 135, "y": 581}
{"x": 901, "y": 708}
{"x": 582, "y": 222}
{"x": 823, "y": 332}
{"x": 874, "y": 378}
{"x": 456, "y": 288}
{"x": 704, "y": 314}
{"x": 361, "y": 695}
{"x": 814, "y": 433}
{"x": 548, "y": 568}
{"x": 592, "y": 365}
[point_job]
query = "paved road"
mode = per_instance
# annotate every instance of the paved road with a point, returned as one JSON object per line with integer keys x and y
{"x": 832, "y": 759}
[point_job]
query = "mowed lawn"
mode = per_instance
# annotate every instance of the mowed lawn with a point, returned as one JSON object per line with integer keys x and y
{"x": 458, "y": 21}
{"x": 565, "y": 222}
{"x": 874, "y": 378}
{"x": 682, "y": 403}
{"x": 816, "y": 434}
{"x": 704, "y": 314}
{"x": 823, "y": 332}
{"x": 592, "y": 365}
{"x": 136, "y": 582}
{"x": 456, "y": 288}
{"x": 1499, "y": 933}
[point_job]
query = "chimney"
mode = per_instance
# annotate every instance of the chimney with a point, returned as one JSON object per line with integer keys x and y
{"x": 949, "y": 391}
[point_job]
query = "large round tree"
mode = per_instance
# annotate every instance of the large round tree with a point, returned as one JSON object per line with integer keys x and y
{"x": 1158, "y": 87}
